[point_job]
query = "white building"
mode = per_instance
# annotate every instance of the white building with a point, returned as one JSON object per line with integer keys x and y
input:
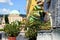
{"x": 2, "y": 23}
{"x": 14, "y": 15}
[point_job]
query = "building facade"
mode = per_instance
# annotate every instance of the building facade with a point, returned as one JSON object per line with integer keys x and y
{"x": 2, "y": 23}
{"x": 14, "y": 16}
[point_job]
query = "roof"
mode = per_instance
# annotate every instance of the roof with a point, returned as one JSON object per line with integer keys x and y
{"x": 14, "y": 12}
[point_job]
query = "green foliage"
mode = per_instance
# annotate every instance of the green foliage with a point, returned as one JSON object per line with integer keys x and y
{"x": 32, "y": 27}
{"x": 30, "y": 34}
{"x": 35, "y": 21}
{"x": 1, "y": 29}
{"x": 12, "y": 29}
{"x": 38, "y": 7}
{"x": 34, "y": 24}
{"x": 45, "y": 24}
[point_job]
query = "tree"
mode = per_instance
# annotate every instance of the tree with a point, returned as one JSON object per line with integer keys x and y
{"x": 6, "y": 19}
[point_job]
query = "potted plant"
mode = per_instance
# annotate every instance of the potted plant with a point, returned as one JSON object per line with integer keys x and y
{"x": 12, "y": 30}
{"x": 32, "y": 27}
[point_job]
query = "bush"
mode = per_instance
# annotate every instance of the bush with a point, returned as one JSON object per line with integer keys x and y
{"x": 12, "y": 29}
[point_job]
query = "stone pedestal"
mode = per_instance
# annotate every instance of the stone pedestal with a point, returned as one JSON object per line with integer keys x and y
{"x": 53, "y": 35}
{"x": 44, "y": 36}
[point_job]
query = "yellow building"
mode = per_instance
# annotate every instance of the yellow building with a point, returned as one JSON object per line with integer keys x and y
{"x": 30, "y": 5}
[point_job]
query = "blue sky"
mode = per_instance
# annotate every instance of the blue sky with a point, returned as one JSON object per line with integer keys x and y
{"x": 7, "y": 6}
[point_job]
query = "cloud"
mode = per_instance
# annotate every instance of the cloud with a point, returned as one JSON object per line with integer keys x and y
{"x": 6, "y": 1}
{"x": 10, "y": 3}
{"x": 3, "y": 1}
{"x": 4, "y": 11}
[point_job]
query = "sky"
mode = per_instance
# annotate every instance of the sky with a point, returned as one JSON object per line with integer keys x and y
{"x": 6, "y": 6}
